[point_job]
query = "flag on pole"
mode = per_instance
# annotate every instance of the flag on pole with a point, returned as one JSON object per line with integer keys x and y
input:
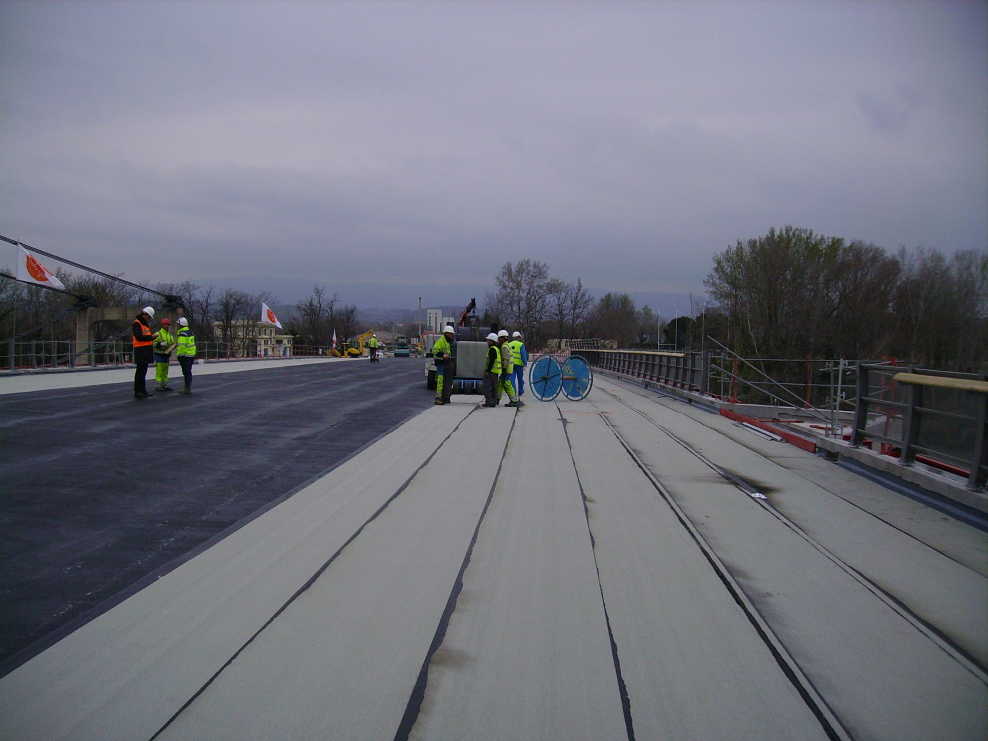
{"x": 334, "y": 338}
{"x": 30, "y": 270}
{"x": 268, "y": 317}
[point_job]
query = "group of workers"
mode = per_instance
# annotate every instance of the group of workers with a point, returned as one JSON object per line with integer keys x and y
{"x": 157, "y": 347}
{"x": 504, "y": 371}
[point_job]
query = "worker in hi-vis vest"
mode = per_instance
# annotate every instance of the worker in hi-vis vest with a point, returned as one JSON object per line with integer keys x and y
{"x": 142, "y": 339}
{"x": 164, "y": 343}
{"x": 372, "y": 345}
{"x": 519, "y": 359}
{"x": 507, "y": 370}
{"x": 443, "y": 354}
{"x": 492, "y": 371}
{"x": 186, "y": 352}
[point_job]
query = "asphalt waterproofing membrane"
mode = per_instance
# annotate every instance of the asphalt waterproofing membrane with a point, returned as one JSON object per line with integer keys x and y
{"x": 102, "y": 493}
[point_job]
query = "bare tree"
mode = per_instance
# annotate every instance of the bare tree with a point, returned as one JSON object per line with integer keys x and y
{"x": 316, "y": 314}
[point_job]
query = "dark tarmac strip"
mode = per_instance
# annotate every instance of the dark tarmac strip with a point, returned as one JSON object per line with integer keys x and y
{"x": 102, "y": 494}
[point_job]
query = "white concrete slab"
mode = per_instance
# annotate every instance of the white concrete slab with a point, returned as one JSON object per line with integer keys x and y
{"x": 124, "y": 674}
{"x": 27, "y": 382}
{"x": 955, "y": 539}
{"x": 694, "y": 665}
{"x": 943, "y": 592}
{"x": 882, "y": 677}
{"x": 341, "y": 661}
{"x": 527, "y": 653}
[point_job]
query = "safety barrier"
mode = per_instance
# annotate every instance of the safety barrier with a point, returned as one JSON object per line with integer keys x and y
{"x": 925, "y": 415}
{"x": 29, "y": 355}
{"x": 689, "y": 371}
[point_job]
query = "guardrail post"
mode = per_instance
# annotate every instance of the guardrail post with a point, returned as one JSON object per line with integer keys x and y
{"x": 910, "y": 424}
{"x": 975, "y": 479}
{"x": 861, "y": 408}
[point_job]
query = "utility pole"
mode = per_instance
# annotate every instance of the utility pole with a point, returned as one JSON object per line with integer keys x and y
{"x": 419, "y": 317}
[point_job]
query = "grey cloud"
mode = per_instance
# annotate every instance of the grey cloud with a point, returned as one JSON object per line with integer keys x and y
{"x": 421, "y": 146}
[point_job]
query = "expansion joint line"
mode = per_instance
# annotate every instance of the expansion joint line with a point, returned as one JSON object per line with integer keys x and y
{"x": 629, "y": 725}
{"x": 930, "y": 632}
{"x": 829, "y": 721}
{"x": 310, "y": 581}
{"x": 414, "y": 705}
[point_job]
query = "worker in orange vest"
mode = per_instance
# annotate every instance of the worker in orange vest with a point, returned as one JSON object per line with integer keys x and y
{"x": 142, "y": 339}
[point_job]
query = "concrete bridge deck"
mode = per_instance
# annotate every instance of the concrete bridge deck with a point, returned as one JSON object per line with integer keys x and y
{"x": 621, "y": 567}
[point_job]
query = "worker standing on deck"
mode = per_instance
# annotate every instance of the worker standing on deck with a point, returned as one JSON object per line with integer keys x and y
{"x": 442, "y": 354}
{"x": 164, "y": 343}
{"x": 519, "y": 358}
{"x": 492, "y": 371}
{"x": 507, "y": 369}
{"x": 186, "y": 352}
{"x": 372, "y": 345}
{"x": 142, "y": 340}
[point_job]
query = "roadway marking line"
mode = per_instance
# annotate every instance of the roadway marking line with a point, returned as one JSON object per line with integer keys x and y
{"x": 831, "y": 724}
{"x": 926, "y": 629}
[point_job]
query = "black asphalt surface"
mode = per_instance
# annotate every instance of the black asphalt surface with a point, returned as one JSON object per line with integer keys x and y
{"x": 101, "y": 493}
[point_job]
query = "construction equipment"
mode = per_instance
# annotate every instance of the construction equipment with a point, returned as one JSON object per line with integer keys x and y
{"x": 355, "y": 347}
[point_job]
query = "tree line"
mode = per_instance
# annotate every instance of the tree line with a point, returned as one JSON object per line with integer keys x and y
{"x": 790, "y": 293}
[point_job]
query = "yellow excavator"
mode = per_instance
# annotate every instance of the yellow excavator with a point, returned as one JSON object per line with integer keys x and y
{"x": 355, "y": 348}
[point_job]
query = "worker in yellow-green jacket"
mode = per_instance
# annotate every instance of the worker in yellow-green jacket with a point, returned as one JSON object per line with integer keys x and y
{"x": 164, "y": 343}
{"x": 186, "y": 352}
{"x": 507, "y": 370}
{"x": 443, "y": 353}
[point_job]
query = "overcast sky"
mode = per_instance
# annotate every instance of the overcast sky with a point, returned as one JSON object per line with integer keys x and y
{"x": 391, "y": 151}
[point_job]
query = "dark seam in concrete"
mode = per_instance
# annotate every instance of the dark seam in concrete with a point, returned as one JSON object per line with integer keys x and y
{"x": 629, "y": 725}
{"x": 816, "y": 703}
{"x": 33, "y": 649}
{"x": 937, "y": 637}
{"x": 414, "y": 705}
{"x": 312, "y": 580}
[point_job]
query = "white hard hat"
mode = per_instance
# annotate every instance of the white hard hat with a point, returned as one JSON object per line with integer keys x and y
{"x": 503, "y": 333}
{"x": 183, "y": 322}
{"x": 516, "y": 334}
{"x": 149, "y": 310}
{"x": 492, "y": 337}
{"x": 449, "y": 328}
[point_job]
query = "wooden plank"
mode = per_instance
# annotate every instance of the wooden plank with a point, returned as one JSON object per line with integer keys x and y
{"x": 960, "y": 384}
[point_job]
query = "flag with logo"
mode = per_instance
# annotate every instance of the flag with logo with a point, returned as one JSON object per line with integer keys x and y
{"x": 30, "y": 270}
{"x": 334, "y": 339}
{"x": 268, "y": 316}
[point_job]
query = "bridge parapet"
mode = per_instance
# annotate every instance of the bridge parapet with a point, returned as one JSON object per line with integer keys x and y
{"x": 925, "y": 414}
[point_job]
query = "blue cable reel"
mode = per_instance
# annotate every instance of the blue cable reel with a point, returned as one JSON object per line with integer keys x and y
{"x": 577, "y": 378}
{"x": 545, "y": 378}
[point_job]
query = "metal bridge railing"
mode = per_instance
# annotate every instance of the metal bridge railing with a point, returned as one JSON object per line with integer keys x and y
{"x": 28, "y": 355}
{"x": 925, "y": 415}
{"x": 689, "y": 371}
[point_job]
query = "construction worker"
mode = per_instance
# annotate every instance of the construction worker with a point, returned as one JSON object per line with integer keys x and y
{"x": 492, "y": 371}
{"x": 507, "y": 370}
{"x": 372, "y": 345}
{"x": 186, "y": 352}
{"x": 164, "y": 343}
{"x": 443, "y": 354}
{"x": 519, "y": 358}
{"x": 142, "y": 339}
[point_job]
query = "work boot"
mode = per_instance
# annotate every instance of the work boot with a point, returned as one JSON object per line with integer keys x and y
{"x": 439, "y": 402}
